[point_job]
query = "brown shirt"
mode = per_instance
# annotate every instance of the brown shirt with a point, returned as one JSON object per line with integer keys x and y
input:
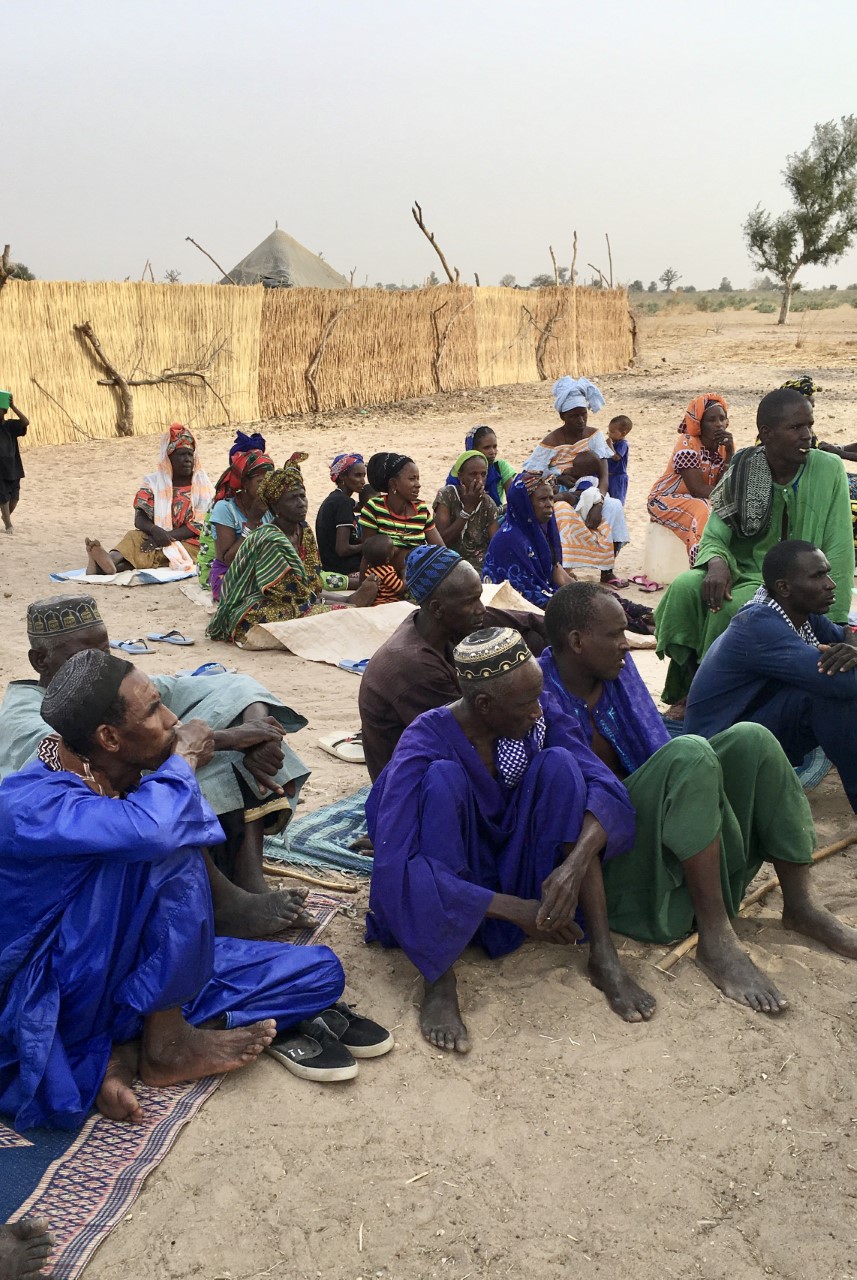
{"x": 407, "y": 676}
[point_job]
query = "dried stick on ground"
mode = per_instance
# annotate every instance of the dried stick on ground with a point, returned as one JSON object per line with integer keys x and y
{"x": 429, "y": 235}
{"x": 210, "y": 259}
{"x": 757, "y": 895}
{"x": 441, "y": 337}
{"x": 543, "y": 339}
{"x": 312, "y": 367}
{"x": 125, "y": 420}
{"x": 555, "y": 267}
{"x": 609, "y": 258}
{"x": 291, "y": 873}
{"x": 572, "y": 275}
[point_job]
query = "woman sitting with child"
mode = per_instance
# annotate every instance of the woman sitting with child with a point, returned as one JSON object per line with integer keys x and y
{"x": 395, "y": 509}
{"x": 584, "y": 534}
{"x": 276, "y": 573}
{"x": 704, "y": 448}
{"x": 169, "y": 509}
{"x": 466, "y": 515}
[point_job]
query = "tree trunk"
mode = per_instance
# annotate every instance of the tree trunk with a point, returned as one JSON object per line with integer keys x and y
{"x": 786, "y": 303}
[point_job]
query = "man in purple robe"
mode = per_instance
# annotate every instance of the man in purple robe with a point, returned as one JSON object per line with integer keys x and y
{"x": 488, "y": 828}
{"x": 109, "y": 966}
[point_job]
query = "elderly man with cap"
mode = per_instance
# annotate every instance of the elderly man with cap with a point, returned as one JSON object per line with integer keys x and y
{"x": 488, "y": 826}
{"x": 413, "y": 671}
{"x": 109, "y": 965}
{"x": 252, "y": 782}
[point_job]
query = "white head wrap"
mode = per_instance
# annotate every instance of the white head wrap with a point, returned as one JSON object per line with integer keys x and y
{"x": 574, "y": 393}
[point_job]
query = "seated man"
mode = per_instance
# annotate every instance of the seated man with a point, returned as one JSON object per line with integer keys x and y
{"x": 488, "y": 826}
{"x": 708, "y": 814}
{"x": 782, "y": 663}
{"x": 413, "y": 671}
{"x": 252, "y": 782}
{"x": 109, "y": 965}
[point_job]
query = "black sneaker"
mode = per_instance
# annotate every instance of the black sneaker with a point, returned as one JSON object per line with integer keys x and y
{"x": 363, "y": 1037}
{"x": 313, "y": 1051}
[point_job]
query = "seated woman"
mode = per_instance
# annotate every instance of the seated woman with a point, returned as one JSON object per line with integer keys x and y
{"x": 236, "y": 511}
{"x": 525, "y": 551}
{"x": 336, "y": 529}
{"x": 395, "y": 509}
{"x": 276, "y": 572}
{"x": 585, "y": 536}
{"x": 500, "y": 473}
{"x": 169, "y": 510}
{"x": 680, "y": 499}
{"x": 465, "y": 514}
{"x": 573, "y": 398}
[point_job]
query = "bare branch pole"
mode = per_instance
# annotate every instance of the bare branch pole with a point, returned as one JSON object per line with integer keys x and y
{"x": 544, "y": 338}
{"x": 351, "y": 275}
{"x": 5, "y": 265}
{"x": 572, "y": 276}
{"x": 151, "y": 274}
{"x": 441, "y": 337}
{"x": 145, "y": 269}
{"x": 476, "y": 278}
{"x": 600, "y": 273}
{"x": 609, "y": 257}
{"x": 125, "y": 420}
{"x": 312, "y": 367}
{"x": 416, "y": 210}
{"x": 555, "y": 267}
{"x": 210, "y": 259}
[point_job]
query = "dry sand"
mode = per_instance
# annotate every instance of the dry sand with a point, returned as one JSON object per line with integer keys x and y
{"x": 710, "y": 1142}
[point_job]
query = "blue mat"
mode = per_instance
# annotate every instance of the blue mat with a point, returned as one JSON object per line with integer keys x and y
{"x": 814, "y": 767}
{"x": 321, "y": 838}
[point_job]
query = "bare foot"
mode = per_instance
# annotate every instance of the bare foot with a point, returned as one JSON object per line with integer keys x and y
{"x": 440, "y": 1016}
{"x": 261, "y": 915}
{"x": 363, "y": 845}
{"x": 731, "y": 969}
{"x": 676, "y": 711}
{"x": 822, "y": 925}
{"x": 624, "y": 996}
{"x": 116, "y": 1099}
{"x": 25, "y": 1247}
{"x": 192, "y": 1054}
{"x": 98, "y": 560}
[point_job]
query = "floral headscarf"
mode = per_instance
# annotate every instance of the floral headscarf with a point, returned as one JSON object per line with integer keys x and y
{"x": 161, "y": 483}
{"x": 286, "y": 480}
{"x": 179, "y": 437}
{"x": 343, "y": 462}
{"x": 240, "y": 469}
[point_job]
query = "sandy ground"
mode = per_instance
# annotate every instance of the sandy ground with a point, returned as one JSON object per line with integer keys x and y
{"x": 710, "y": 1142}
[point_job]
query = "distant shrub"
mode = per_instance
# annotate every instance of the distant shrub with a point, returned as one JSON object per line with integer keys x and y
{"x": 703, "y": 302}
{"x": 853, "y": 302}
{"x": 650, "y": 308}
{"x": 767, "y": 308}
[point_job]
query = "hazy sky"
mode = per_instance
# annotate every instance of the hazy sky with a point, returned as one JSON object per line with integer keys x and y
{"x": 128, "y": 126}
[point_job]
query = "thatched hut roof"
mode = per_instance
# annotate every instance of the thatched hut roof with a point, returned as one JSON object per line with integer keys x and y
{"x": 280, "y": 262}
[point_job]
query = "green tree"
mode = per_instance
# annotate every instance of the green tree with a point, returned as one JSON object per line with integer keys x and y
{"x": 636, "y": 286}
{"x": 725, "y": 285}
{"x": 542, "y": 282}
{"x": 652, "y": 286}
{"x": 822, "y": 224}
{"x": 508, "y": 281}
{"x": 18, "y": 271}
{"x": 668, "y": 278}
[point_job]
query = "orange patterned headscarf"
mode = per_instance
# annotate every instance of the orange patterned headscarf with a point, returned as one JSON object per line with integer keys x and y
{"x": 691, "y": 423}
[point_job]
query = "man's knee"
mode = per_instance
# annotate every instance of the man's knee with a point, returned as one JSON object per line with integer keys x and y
{"x": 691, "y": 757}
{"x": 328, "y": 974}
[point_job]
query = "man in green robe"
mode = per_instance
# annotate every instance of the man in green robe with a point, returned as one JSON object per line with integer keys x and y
{"x": 780, "y": 489}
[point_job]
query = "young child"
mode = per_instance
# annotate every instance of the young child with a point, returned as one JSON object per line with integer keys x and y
{"x": 11, "y": 470}
{"x": 618, "y": 430}
{"x": 377, "y": 554}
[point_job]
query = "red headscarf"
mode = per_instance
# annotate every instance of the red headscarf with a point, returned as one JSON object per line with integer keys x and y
{"x": 180, "y": 438}
{"x": 239, "y": 471}
{"x": 691, "y": 423}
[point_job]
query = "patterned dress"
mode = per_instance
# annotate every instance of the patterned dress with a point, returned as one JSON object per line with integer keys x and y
{"x": 269, "y": 580}
{"x": 671, "y": 502}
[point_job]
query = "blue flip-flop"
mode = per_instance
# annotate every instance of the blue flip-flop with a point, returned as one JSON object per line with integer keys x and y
{"x": 131, "y": 646}
{"x": 169, "y": 637}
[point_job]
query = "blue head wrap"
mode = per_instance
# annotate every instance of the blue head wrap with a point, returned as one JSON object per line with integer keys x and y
{"x": 244, "y": 443}
{"x": 426, "y": 567}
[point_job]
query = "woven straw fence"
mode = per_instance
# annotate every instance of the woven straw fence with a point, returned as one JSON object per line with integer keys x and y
{"x": 144, "y": 329}
{"x": 257, "y": 347}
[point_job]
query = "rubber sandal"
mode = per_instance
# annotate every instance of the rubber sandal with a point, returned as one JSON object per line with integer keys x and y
{"x": 312, "y": 1050}
{"x": 131, "y": 646}
{"x": 210, "y": 669}
{"x": 640, "y": 579}
{"x": 345, "y": 746}
{"x": 650, "y": 586}
{"x": 169, "y": 637}
{"x": 618, "y": 583}
{"x": 363, "y": 1037}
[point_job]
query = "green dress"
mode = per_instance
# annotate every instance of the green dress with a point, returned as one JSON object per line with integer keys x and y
{"x": 814, "y": 507}
{"x": 269, "y": 580}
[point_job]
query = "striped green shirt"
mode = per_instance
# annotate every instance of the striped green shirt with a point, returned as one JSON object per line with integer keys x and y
{"x": 403, "y": 531}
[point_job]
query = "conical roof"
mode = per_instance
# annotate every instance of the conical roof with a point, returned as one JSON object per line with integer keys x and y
{"x": 280, "y": 262}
